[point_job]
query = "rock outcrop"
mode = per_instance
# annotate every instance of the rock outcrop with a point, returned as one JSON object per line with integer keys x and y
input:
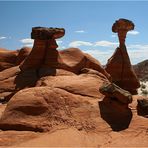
{"x": 44, "y": 51}
{"x": 7, "y": 58}
{"x": 23, "y": 53}
{"x": 119, "y": 65}
{"x": 113, "y": 91}
{"x": 56, "y": 100}
{"x": 44, "y": 54}
{"x": 60, "y": 94}
{"x": 46, "y": 84}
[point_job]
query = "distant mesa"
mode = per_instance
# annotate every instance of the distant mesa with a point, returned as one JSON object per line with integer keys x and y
{"x": 119, "y": 65}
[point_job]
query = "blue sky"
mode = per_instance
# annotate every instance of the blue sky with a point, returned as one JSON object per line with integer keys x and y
{"x": 87, "y": 24}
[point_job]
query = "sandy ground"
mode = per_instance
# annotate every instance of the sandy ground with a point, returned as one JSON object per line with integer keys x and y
{"x": 136, "y": 135}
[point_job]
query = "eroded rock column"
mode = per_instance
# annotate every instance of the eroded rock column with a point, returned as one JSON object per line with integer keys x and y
{"x": 44, "y": 53}
{"x": 119, "y": 65}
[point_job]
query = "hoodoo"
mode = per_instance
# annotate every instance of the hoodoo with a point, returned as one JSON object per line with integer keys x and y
{"x": 44, "y": 51}
{"x": 119, "y": 65}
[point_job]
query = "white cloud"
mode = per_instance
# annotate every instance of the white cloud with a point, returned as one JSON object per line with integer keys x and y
{"x": 28, "y": 45}
{"x": 59, "y": 41}
{"x": 101, "y": 56}
{"x": 27, "y": 41}
{"x": 79, "y": 43}
{"x": 80, "y": 31}
{"x": 137, "y": 53}
{"x": 138, "y": 46}
{"x": 61, "y": 47}
{"x": 133, "y": 32}
{"x": 2, "y": 37}
{"x": 106, "y": 44}
{"x": 113, "y": 36}
{"x": 98, "y": 43}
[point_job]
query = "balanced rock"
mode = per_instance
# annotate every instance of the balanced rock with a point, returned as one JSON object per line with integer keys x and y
{"x": 112, "y": 91}
{"x": 44, "y": 45}
{"x": 119, "y": 65}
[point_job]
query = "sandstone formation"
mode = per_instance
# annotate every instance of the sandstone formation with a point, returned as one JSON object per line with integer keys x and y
{"x": 54, "y": 103}
{"x": 112, "y": 91}
{"x": 119, "y": 65}
{"x": 72, "y": 61}
{"x": 44, "y": 54}
{"x": 59, "y": 93}
{"x": 44, "y": 51}
{"x": 23, "y": 53}
{"x": 49, "y": 72}
{"x": 7, "y": 58}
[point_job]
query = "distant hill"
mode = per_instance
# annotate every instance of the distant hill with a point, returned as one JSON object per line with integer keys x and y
{"x": 141, "y": 70}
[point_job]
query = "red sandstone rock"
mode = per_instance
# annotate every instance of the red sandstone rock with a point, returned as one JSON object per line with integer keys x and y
{"x": 83, "y": 84}
{"x": 45, "y": 108}
{"x": 113, "y": 91}
{"x": 119, "y": 65}
{"x": 23, "y": 53}
{"x": 122, "y": 26}
{"x": 44, "y": 54}
{"x": 44, "y": 33}
{"x": 7, "y": 58}
{"x": 44, "y": 51}
{"x": 12, "y": 80}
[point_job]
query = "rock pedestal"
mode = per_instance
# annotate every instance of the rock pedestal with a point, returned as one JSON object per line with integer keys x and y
{"x": 119, "y": 65}
{"x": 44, "y": 48}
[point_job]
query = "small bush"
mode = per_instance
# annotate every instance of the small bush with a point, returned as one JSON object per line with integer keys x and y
{"x": 145, "y": 92}
{"x": 143, "y": 86}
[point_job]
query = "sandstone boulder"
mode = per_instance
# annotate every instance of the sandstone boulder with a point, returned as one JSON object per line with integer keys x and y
{"x": 84, "y": 84}
{"x": 112, "y": 91}
{"x": 44, "y": 108}
{"x": 7, "y": 58}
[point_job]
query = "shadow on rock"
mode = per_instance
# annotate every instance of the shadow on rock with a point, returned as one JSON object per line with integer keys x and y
{"x": 26, "y": 79}
{"x": 116, "y": 114}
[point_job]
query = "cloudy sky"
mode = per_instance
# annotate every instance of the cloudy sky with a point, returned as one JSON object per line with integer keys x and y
{"x": 87, "y": 24}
